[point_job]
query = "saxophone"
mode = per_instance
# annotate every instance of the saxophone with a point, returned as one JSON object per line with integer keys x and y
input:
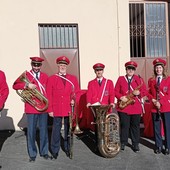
{"x": 130, "y": 98}
{"x": 107, "y": 131}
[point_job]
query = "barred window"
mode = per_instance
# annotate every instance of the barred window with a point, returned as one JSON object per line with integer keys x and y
{"x": 148, "y": 34}
{"x": 58, "y": 36}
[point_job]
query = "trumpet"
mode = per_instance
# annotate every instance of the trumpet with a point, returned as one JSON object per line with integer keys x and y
{"x": 32, "y": 96}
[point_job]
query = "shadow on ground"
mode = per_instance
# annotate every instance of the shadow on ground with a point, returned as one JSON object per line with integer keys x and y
{"x": 4, "y": 134}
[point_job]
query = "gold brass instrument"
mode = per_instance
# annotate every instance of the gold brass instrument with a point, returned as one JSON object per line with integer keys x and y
{"x": 32, "y": 96}
{"x": 70, "y": 135}
{"x": 77, "y": 128}
{"x": 130, "y": 100}
{"x": 107, "y": 130}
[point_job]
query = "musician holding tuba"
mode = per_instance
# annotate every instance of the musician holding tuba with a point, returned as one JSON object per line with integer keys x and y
{"x": 129, "y": 90}
{"x": 100, "y": 91}
{"x": 32, "y": 85}
{"x": 61, "y": 90}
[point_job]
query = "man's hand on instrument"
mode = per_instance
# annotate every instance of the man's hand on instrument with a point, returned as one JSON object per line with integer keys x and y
{"x": 51, "y": 114}
{"x": 113, "y": 105}
{"x": 124, "y": 99}
{"x": 156, "y": 103}
{"x": 88, "y": 104}
{"x": 136, "y": 92}
{"x": 31, "y": 86}
{"x": 72, "y": 102}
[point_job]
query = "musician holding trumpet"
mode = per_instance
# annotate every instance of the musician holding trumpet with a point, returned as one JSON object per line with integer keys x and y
{"x": 129, "y": 90}
{"x": 30, "y": 82}
{"x": 159, "y": 90}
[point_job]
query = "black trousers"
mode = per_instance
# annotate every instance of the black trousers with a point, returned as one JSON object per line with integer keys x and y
{"x": 157, "y": 129}
{"x": 129, "y": 126}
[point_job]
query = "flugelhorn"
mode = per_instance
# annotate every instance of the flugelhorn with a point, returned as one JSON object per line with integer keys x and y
{"x": 32, "y": 96}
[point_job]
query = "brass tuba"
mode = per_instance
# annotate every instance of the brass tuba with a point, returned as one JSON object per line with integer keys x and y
{"x": 32, "y": 96}
{"x": 107, "y": 130}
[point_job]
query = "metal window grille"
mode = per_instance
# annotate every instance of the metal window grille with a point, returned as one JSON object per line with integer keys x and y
{"x": 148, "y": 35}
{"x": 58, "y": 36}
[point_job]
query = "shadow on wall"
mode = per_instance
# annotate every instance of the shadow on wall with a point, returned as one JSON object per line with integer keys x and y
{"x": 22, "y": 124}
{"x": 6, "y": 122}
{"x": 6, "y": 126}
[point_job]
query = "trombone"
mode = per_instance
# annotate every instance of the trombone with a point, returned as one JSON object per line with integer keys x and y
{"x": 76, "y": 129}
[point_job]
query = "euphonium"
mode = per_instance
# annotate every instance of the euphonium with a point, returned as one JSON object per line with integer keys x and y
{"x": 32, "y": 96}
{"x": 107, "y": 131}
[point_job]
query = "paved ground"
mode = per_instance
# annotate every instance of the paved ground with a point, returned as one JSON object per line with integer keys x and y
{"x": 14, "y": 156}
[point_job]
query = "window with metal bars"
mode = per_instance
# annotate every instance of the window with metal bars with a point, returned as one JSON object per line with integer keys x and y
{"x": 148, "y": 35}
{"x": 58, "y": 36}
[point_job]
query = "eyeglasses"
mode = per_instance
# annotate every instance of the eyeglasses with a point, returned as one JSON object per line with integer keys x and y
{"x": 36, "y": 64}
{"x": 62, "y": 65}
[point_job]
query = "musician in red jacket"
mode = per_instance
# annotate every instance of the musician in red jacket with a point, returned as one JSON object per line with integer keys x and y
{"x": 100, "y": 90}
{"x": 36, "y": 80}
{"x": 130, "y": 114}
{"x": 4, "y": 90}
{"x": 61, "y": 90}
{"x": 159, "y": 89}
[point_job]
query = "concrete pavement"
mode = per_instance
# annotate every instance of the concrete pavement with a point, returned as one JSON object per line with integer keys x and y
{"x": 14, "y": 156}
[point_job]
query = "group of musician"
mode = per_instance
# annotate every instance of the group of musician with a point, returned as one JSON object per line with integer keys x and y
{"x": 61, "y": 89}
{"x": 131, "y": 92}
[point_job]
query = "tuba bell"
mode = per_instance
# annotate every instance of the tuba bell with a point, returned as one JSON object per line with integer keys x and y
{"x": 32, "y": 96}
{"x": 107, "y": 131}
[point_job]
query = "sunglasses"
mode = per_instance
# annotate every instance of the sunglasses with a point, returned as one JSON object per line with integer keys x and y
{"x": 36, "y": 64}
{"x": 99, "y": 70}
{"x": 130, "y": 68}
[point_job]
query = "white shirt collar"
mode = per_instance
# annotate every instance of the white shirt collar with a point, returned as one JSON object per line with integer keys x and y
{"x": 62, "y": 74}
{"x": 100, "y": 79}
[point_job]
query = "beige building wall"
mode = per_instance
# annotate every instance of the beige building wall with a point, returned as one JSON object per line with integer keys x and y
{"x": 103, "y": 37}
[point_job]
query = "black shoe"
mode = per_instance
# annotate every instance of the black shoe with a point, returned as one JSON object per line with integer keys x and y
{"x": 122, "y": 147}
{"x": 166, "y": 151}
{"x": 32, "y": 159}
{"x": 135, "y": 148}
{"x": 67, "y": 153}
{"x": 158, "y": 150}
{"x": 46, "y": 157}
{"x": 0, "y": 166}
{"x": 54, "y": 155}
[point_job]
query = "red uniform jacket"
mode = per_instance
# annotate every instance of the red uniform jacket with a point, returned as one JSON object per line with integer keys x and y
{"x": 164, "y": 93}
{"x": 121, "y": 89}
{"x": 94, "y": 92}
{"x": 4, "y": 90}
{"x": 20, "y": 85}
{"x": 59, "y": 95}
